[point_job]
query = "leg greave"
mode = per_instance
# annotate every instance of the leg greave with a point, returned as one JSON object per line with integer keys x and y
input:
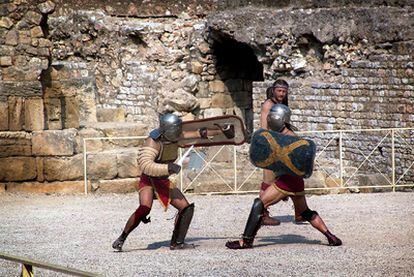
{"x": 254, "y": 220}
{"x": 182, "y": 224}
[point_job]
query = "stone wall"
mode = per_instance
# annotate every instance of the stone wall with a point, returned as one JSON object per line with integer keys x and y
{"x": 77, "y": 69}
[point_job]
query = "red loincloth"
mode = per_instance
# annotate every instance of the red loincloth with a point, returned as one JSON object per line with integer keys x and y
{"x": 161, "y": 187}
{"x": 290, "y": 184}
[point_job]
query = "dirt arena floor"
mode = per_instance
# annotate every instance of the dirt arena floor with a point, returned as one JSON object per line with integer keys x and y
{"x": 77, "y": 231}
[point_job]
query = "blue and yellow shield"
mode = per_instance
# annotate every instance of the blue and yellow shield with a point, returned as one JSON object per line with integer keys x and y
{"x": 282, "y": 154}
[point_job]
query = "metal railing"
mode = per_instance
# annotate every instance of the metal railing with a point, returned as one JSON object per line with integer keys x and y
{"x": 343, "y": 151}
{"x": 28, "y": 264}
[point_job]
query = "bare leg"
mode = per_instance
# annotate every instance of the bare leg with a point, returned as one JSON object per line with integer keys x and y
{"x": 145, "y": 200}
{"x": 271, "y": 196}
{"x": 178, "y": 200}
{"x": 268, "y": 180}
{"x": 315, "y": 220}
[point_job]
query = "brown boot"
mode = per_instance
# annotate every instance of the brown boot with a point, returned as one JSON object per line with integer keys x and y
{"x": 269, "y": 221}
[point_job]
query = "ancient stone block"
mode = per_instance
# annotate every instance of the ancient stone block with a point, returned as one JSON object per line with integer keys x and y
{"x": 217, "y": 86}
{"x": 11, "y": 38}
{"x": 128, "y": 165}
{"x": 61, "y": 169}
{"x": 17, "y": 169}
{"x": 196, "y": 67}
{"x": 6, "y": 61}
{"x": 20, "y": 60}
{"x": 43, "y": 52}
{"x": 35, "y": 42}
{"x": 53, "y": 142}
{"x": 33, "y": 17}
{"x": 44, "y": 42}
{"x": 21, "y": 88}
{"x": 71, "y": 119}
{"x": 91, "y": 145}
{"x": 15, "y": 144}
{"x": 16, "y": 73}
{"x": 213, "y": 112}
{"x": 4, "y": 116}
{"x": 16, "y": 113}
{"x": 188, "y": 117}
{"x": 122, "y": 129}
{"x": 53, "y": 89}
{"x": 221, "y": 100}
{"x": 54, "y": 187}
{"x": 115, "y": 186}
{"x": 111, "y": 115}
{"x": 6, "y": 50}
{"x": 46, "y": 7}
{"x": 53, "y": 113}
{"x": 202, "y": 90}
{"x": 5, "y": 22}
{"x": 102, "y": 166}
{"x": 39, "y": 168}
{"x": 34, "y": 114}
{"x": 36, "y": 32}
{"x": 205, "y": 103}
{"x": 87, "y": 102}
{"x": 181, "y": 101}
{"x": 24, "y": 38}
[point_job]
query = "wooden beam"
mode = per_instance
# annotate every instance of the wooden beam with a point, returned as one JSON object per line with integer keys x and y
{"x": 27, "y": 265}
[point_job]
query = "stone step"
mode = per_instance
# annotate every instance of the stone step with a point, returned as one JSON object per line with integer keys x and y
{"x": 112, "y": 130}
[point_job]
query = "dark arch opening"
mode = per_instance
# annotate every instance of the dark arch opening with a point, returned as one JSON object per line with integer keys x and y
{"x": 237, "y": 66}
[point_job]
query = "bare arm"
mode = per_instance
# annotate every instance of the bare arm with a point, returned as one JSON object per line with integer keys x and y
{"x": 267, "y": 105}
{"x": 288, "y": 132}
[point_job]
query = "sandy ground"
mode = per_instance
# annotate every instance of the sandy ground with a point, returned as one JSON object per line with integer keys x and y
{"x": 77, "y": 231}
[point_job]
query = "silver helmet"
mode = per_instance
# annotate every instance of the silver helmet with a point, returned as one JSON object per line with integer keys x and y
{"x": 171, "y": 127}
{"x": 278, "y": 117}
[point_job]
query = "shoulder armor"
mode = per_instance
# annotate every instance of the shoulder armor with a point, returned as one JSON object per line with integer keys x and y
{"x": 155, "y": 134}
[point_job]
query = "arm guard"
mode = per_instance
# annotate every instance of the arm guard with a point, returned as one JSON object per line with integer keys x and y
{"x": 146, "y": 161}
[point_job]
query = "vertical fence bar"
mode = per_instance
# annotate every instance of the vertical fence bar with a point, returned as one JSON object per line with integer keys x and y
{"x": 85, "y": 178}
{"x": 235, "y": 167}
{"x": 181, "y": 171}
{"x": 393, "y": 158}
{"x": 340, "y": 160}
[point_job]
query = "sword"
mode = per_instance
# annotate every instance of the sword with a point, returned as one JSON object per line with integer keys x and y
{"x": 181, "y": 160}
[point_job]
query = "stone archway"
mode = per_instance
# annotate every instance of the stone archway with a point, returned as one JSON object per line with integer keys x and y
{"x": 238, "y": 67}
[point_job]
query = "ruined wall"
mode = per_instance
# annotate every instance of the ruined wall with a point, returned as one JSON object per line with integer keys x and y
{"x": 76, "y": 69}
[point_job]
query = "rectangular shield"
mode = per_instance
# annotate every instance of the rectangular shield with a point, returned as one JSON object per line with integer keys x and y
{"x": 220, "y": 130}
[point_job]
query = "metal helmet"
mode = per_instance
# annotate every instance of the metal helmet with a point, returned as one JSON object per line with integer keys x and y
{"x": 170, "y": 127}
{"x": 278, "y": 117}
